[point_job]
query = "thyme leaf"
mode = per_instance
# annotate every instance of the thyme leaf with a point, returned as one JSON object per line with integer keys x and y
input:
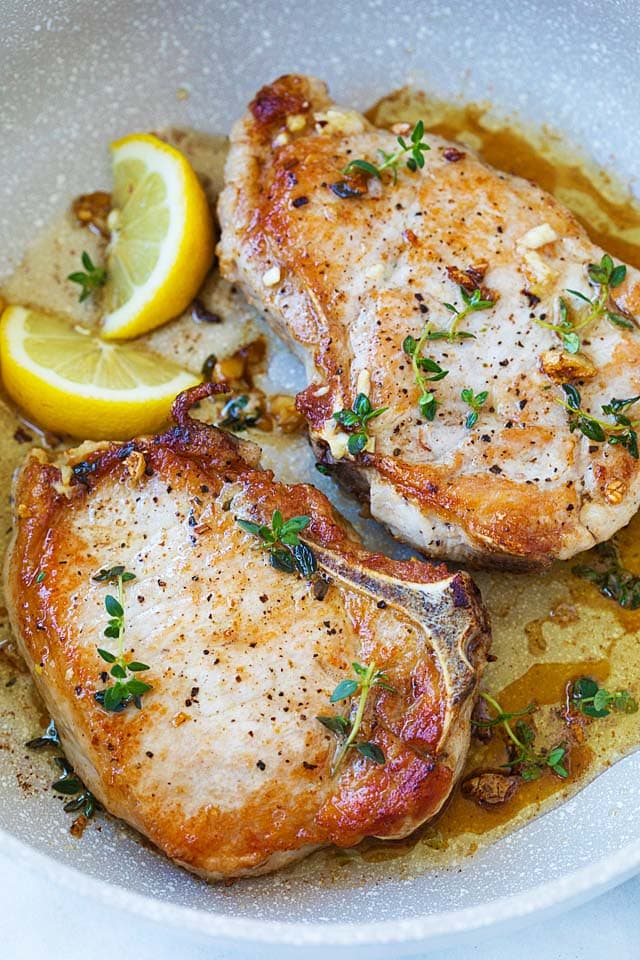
{"x": 234, "y": 415}
{"x": 49, "y": 738}
{"x": 606, "y": 276}
{"x": 355, "y": 421}
{"x": 422, "y": 366}
{"x": 415, "y": 147}
{"x": 89, "y": 281}
{"x": 286, "y": 551}
{"x": 610, "y": 577}
{"x": 70, "y": 785}
{"x": 622, "y": 431}
{"x": 473, "y": 302}
{"x": 126, "y": 688}
{"x": 525, "y": 760}
{"x": 475, "y": 401}
{"x": 587, "y": 696}
{"x": 347, "y": 729}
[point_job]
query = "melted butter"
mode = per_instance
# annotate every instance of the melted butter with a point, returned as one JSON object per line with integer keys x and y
{"x": 548, "y": 628}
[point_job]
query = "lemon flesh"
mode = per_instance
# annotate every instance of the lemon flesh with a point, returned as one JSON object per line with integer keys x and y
{"x": 69, "y": 381}
{"x": 162, "y": 237}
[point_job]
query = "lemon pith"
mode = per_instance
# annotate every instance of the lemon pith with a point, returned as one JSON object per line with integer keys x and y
{"x": 162, "y": 240}
{"x": 69, "y": 381}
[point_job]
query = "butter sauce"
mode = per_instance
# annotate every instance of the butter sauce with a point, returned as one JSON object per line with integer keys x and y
{"x": 548, "y": 628}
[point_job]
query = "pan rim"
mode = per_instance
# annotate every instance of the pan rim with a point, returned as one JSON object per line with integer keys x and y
{"x": 560, "y": 893}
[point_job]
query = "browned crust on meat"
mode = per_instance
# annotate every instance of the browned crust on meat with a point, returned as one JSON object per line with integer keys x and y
{"x": 274, "y": 102}
{"x": 516, "y": 523}
{"x": 411, "y": 727}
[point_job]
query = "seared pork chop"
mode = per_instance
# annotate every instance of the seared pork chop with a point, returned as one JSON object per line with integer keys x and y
{"x": 225, "y": 766}
{"x": 348, "y": 265}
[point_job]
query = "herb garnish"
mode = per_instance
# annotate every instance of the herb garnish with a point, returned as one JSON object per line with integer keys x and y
{"x": 234, "y": 415}
{"x": 346, "y": 729}
{"x": 475, "y": 401}
{"x": 610, "y": 577}
{"x": 286, "y": 552}
{"x": 565, "y": 328}
{"x": 126, "y": 689}
{"x": 391, "y": 161}
{"x": 49, "y": 738}
{"x": 92, "y": 280}
{"x": 68, "y": 784}
{"x": 472, "y": 303}
{"x": 594, "y": 701}
{"x": 356, "y": 420}
{"x": 413, "y": 348}
{"x": 606, "y": 277}
{"x": 71, "y": 785}
{"x": 622, "y": 431}
{"x": 525, "y": 760}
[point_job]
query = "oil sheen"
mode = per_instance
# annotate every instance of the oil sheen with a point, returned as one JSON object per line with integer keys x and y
{"x": 548, "y": 628}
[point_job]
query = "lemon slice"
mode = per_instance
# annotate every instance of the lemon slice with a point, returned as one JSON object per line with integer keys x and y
{"x": 69, "y": 381}
{"x": 162, "y": 237}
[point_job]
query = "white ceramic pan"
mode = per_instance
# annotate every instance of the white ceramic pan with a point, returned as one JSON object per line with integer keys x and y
{"x": 76, "y": 74}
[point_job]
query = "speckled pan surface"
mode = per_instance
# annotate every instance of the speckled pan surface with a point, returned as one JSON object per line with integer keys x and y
{"x": 77, "y": 74}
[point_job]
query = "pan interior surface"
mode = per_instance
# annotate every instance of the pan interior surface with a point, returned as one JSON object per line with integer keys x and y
{"x": 78, "y": 75}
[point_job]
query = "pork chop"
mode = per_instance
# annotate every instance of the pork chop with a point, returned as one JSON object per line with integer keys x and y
{"x": 225, "y": 766}
{"x": 434, "y": 292}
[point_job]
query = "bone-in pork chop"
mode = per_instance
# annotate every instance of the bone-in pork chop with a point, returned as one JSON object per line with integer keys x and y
{"x": 224, "y": 765}
{"x": 436, "y": 295}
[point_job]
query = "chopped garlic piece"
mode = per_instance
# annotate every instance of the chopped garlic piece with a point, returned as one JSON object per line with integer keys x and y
{"x": 296, "y": 122}
{"x": 363, "y": 383}
{"x": 538, "y": 237}
{"x": 336, "y": 121}
{"x": 374, "y": 272}
{"x": 538, "y": 273}
{"x": 337, "y": 439}
{"x": 271, "y": 277}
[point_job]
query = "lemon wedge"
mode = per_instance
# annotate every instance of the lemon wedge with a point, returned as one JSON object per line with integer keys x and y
{"x": 162, "y": 237}
{"x": 69, "y": 381}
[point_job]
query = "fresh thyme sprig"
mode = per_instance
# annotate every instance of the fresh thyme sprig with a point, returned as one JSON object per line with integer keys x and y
{"x": 472, "y": 303}
{"x": 610, "y": 577}
{"x": 125, "y": 689}
{"x": 525, "y": 760}
{"x": 347, "y": 729}
{"x": 421, "y": 366}
{"x": 234, "y": 415}
{"x": 286, "y": 551}
{"x": 587, "y": 696}
{"x": 70, "y": 785}
{"x": 356, "y": 420}
{"x": 415, "y": 146}
{"x": 566, "y": 329}
{"x": 606, "y": 276}
{"x": 622, "y": 431}
{"x": 475, "y": 401}
{"x": 92, "y": 280}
